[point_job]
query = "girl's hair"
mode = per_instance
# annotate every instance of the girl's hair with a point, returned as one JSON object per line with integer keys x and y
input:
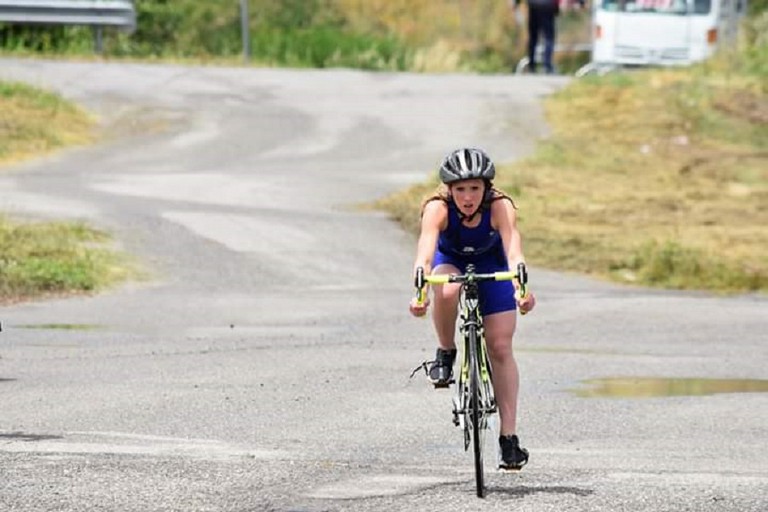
{"x": 442, "y": 193}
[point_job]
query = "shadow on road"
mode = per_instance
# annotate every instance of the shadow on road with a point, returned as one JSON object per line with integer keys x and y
{"x": 522, "y": 491}
{"x": 22, "y": 436}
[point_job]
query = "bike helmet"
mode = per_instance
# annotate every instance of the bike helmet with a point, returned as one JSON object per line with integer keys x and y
{"x": 467, "y": 164}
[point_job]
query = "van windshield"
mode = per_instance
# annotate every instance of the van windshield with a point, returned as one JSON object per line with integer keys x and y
{"x": 657, "y": 6}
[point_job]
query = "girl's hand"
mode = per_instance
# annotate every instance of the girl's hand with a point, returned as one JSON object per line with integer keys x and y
{"x": 419, "y": 309}
{"x": 527, "y": 303}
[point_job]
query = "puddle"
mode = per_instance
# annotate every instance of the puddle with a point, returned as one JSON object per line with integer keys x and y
{"x": 65, "y": 327}
{"x": 650, "y": 387}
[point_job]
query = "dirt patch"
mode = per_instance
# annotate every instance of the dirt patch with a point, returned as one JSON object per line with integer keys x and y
{"x": 745, "y": 105}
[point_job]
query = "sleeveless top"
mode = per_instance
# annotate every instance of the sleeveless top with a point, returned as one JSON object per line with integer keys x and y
{"x": 465, "y": 242}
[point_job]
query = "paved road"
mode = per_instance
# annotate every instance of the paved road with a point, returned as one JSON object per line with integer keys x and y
{"x": 264, "y": 366}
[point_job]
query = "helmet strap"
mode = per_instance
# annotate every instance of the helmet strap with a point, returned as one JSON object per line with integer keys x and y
{"x": 480, "y": 207}
{"x": 471, "y": 216}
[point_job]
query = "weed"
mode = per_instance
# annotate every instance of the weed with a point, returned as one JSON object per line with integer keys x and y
{"x": 33, "y": 122}
{"x": 55, "y": 257}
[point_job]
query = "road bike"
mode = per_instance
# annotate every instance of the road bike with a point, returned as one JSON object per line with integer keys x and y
{"x": 474, "y": 401}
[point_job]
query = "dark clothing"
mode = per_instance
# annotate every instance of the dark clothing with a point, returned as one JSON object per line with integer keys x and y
{"x": 482, "y": 246}
{"x": 541, "y": 19}
{"x": 464, "y": 242}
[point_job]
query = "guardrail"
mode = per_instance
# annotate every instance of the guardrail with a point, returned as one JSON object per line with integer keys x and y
{"x": 95, "y": 13}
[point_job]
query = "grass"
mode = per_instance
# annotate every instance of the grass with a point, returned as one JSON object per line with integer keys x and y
{"x": 35, "y": 122}
{"x": 657, "y": 177}
{"x": 49, "y": 258}
{"x": 413, "y": 35}
{"x": 55, "y": 258}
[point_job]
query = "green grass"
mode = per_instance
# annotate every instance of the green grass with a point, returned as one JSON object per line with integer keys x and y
{"x": 54, "y": 258}
{"x": 49, "y": 258}
{"x": 418, "y": 35}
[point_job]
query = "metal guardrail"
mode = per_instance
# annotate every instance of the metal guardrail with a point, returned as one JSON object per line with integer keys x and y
{"x": 95, "y": 13}
{"x": 100, "y": 13}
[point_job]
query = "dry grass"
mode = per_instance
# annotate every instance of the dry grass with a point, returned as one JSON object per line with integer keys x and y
{"x": 49, "y": 259}
{"x": 35, "y": 122}
{"x": 55, "y": 258}
{"x": 422, "y": 22}
{"x": 444, "y": 32}
{"x": 651, "y": 163}
{"x": 656, "y": 177}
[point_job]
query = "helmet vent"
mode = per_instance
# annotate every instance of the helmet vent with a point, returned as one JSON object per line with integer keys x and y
{"x": 466, "y": 164}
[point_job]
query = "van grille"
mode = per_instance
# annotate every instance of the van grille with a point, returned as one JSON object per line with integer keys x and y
{"x": 639, "y": 55}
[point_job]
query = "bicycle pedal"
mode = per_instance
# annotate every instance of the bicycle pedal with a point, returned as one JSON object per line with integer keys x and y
{"x": 442, "y": 384}
{"x": 503, "y": 469}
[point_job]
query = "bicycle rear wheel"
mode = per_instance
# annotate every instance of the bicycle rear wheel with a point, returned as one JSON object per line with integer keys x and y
{"x": 476, "y": 412}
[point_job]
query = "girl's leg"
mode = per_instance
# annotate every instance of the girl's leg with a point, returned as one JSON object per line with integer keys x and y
{"x": 444, "y": 312}
{"x": 499, "y": 330}
{"x": 445, "y": 305}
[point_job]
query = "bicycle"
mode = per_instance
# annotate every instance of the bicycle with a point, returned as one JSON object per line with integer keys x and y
{"x": 474, "y": 401}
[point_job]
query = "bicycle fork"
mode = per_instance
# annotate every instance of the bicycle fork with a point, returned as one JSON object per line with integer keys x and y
{"x": 461, "y": 398}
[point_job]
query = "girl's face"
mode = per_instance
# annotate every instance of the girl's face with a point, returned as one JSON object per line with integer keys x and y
{"x": 468, "y": 195}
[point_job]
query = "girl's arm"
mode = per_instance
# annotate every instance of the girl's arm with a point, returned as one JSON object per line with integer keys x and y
{"x": 504, "y": 220}
{"x": 433, "y": 220}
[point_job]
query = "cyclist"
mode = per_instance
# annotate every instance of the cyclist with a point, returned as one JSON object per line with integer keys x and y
{"x": 470, "y": 221}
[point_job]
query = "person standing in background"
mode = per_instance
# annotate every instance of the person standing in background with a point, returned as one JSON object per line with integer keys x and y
{"x": 541, "y": 20}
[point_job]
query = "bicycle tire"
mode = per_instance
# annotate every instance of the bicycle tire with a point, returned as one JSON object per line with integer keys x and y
{"x": 476, "y": 413}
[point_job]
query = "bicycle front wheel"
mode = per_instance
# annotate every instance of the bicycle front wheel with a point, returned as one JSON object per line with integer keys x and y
{"x": 476, "y": 412}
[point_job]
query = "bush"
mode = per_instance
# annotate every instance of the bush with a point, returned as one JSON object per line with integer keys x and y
{"x": 671, "y": 265}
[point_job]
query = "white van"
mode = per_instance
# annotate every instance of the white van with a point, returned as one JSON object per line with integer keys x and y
{"x": 661, "y": 32}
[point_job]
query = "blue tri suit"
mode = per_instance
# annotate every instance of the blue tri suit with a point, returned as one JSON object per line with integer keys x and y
{"x": 459, "y": 246}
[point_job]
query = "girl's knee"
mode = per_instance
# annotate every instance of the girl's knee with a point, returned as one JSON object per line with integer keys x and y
{"x": 500, "y": 349}
{"x": 500, "y": 328}
{"x": 447, "y": 292}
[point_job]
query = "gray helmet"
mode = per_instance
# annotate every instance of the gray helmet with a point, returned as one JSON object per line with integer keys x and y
{"x": 467, "y": 164}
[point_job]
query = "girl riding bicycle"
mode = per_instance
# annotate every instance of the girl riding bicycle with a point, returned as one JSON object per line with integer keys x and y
{"x": 470, "y": 222}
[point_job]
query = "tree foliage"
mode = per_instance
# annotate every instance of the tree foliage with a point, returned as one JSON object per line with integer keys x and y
{"x": 432, "y": 35}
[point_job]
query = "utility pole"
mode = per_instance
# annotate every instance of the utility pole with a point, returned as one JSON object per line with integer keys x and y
{"x": 244, "y": 30}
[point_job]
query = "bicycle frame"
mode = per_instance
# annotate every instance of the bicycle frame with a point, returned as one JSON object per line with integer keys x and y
{"x": 474, "y": 354}
{"x": 474, "y": 401}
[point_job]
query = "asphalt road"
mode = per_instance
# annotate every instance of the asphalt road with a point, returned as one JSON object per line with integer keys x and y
{"x": 264, "y": 365}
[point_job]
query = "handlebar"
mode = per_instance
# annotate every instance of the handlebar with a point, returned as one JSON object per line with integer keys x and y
{"x": 421, "y": 280}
